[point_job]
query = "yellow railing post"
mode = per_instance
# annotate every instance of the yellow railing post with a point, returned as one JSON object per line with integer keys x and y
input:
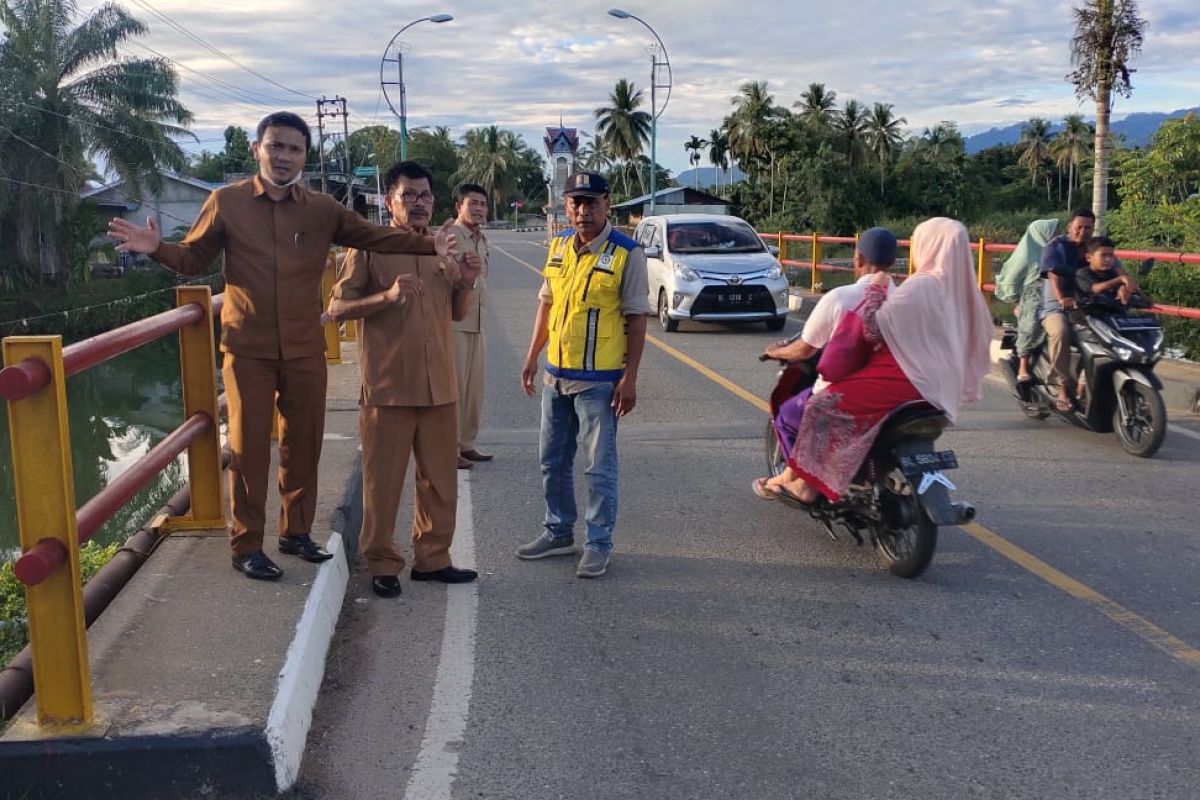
{"x": 815, "y": 284}
{"x": 982, "y": 264}
{"x": 198, "y": 371}
{"x": 45, "y": 493}
{"x": 333, "y": 343}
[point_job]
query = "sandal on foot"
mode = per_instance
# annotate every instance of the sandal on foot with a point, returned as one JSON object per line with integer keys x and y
{"x": 760, "y": 488}
{"x": 1064, "y": 404}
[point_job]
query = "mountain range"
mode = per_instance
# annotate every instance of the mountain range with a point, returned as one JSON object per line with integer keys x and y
{"x": 1135, "y": 128}
{"x": 707, "y": 176}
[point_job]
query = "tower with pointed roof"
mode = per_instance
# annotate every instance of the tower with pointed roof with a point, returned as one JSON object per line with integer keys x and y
{"x": 562, "y": 144}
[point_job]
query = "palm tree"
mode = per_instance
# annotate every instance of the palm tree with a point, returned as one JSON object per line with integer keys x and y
{"x": 750, "y": 124}
{"x": 883, "y": 134}
{"x": 624, "y": 129}
{"x": 70, "y": 98}
{"x": 1069, "y": 148}
{"x": 816, "y": 106}
{"x": 694, "y": 145}
{"x": 718, "y": 153}
{"x": 851, "y": 125}
{"x": 594, "y": 155}
{"x": 1033, "y": 150}
{"x": 489, "y": 158}
{"x": 1108, "y": 34}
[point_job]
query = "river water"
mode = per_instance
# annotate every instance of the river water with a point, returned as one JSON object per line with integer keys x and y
{"x": 116, "y": 413}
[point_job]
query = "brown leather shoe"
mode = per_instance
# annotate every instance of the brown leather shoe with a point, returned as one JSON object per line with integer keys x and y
{"x": 464, "y": 463}
{"x": 475, "y": 455}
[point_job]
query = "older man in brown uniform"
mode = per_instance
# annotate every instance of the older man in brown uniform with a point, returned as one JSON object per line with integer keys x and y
{"x": 404, "y": 305}
{"x": 471, "y": 205}
{"x": 275, "y": 235}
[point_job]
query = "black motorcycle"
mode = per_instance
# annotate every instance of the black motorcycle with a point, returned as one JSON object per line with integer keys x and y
{"x": 1113, "y": 358}
{"x": 900, "y": 494}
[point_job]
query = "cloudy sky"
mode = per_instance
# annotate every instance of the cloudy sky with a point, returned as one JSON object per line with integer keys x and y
{"x": 523, "y": 65}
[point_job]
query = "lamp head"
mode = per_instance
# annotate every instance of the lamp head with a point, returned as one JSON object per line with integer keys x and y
{"x": 618, "y": 13}
{"x": 441, "y": 18}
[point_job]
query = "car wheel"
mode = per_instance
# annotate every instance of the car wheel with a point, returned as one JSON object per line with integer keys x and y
{"x": 777, "y": 323}
{"x": 669, "y": 325}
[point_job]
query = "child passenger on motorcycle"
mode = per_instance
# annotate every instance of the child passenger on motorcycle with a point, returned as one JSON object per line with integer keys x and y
{"x": 1101, "y": 277}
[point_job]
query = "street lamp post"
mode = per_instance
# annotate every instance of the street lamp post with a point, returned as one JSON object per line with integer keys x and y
{"x": 655, "y": 111}
{"x": 402, "y": 113}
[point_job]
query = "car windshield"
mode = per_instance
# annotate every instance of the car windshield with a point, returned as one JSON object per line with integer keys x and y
{"x": 713, "y": 237}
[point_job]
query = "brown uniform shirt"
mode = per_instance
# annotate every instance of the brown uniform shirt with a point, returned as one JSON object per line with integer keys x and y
{"x": 274, "y": 256}
{"x": 406, "y": 350}
{"x": 473, "y": 241}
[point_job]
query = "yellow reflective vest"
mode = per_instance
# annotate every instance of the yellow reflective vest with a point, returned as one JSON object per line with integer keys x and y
{"x": 587, "y": 328}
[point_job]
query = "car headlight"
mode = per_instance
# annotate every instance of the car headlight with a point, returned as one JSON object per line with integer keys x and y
{"x": 774, "y": 273}
{"x": 685, "y": 273}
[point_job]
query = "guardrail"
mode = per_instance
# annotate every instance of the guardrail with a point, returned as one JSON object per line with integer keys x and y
{"x": 51, "y": 528}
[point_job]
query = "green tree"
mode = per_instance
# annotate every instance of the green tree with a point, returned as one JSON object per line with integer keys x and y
{"x": 1069, "y": 148}
{"x": 693, "y": 146}
{"x": 1108, "y": 34}
{"x": 237, "y": 155}
{"x": 70, "y": 97}
{"x": 883, "y": 133}
{"x": 817, "y": 107}
{"x": 624, "y": 129}
{"x": 718, "y": 153}
{"x": 1034, "y": 149}
{"x": 489, "y": 158}
{"x": 750, "y": 126}
{"x": 851, "y": 127}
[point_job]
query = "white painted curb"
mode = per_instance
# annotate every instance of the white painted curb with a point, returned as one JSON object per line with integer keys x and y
{"x": 304, "y": 666}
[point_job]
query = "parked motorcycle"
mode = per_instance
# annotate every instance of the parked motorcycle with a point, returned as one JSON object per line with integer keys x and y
{"x": 1114, "y": 357}
{"x": 900, "y": 495}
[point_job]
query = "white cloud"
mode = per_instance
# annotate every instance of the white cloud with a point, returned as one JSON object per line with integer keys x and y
{"x": 522, "y": 65}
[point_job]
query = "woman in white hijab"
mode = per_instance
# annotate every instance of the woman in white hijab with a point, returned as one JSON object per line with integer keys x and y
{"x": 931, "y": 340}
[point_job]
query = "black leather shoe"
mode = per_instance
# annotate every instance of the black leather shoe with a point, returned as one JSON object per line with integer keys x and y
{"x": 475, "y": 455}
{"x": 304, "y": 546}
{"x": 446, "y": 575}
{"x": 386, "y": 585}
{"x": 256, "y": 565}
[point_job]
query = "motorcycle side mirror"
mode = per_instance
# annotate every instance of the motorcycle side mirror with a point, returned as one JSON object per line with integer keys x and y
{"x": 1145, "y": 267}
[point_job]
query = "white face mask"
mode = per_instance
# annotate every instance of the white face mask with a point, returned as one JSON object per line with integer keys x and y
{"x": 299, "y": 176}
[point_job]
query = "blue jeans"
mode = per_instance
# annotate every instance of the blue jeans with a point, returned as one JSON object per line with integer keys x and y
{"x": 587, "y": 417}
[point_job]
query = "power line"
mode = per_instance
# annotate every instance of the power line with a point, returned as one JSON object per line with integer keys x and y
{"x": 215, "y": 50}
{"x": 232, "y": 88}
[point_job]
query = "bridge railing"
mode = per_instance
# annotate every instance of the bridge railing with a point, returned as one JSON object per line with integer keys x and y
{"x": 51, "y": 527}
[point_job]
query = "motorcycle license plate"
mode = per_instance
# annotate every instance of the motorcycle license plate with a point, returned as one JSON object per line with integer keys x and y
{"x": 915, "y": 464}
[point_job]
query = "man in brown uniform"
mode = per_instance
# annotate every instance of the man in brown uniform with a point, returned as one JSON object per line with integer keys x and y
{"x": 404, "y": 304}
{"x": 471, "y": 205}
{"x": 275, "y": 235}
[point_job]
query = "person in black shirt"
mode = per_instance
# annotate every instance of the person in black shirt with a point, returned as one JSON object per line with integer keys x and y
{"x": 1102, "y": 277}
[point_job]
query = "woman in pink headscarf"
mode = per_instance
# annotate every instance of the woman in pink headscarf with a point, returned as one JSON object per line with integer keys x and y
{"x": 930, "y": 339}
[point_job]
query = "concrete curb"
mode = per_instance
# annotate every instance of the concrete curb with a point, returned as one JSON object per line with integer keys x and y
{"x": 304, "y": 668}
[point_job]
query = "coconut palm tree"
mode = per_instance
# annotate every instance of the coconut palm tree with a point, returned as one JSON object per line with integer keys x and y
{"x": 593, "y": 155}
{"x": 817, "y": 106}
{"x": 69, "y": 98}
{"x": 851, "y": 125}
{"x": 750, "y": 125}
{"x": 718, "y": 153}
{"x": 1070, "y": 147}
{"x": 693, "y": 146}
{"x": 624, "y": 129}
{"x": 1033, "y": 149}
{"x": 883, "y": 134}
{"x": 1108, "y": 34}
{"x": 489, "y": 158}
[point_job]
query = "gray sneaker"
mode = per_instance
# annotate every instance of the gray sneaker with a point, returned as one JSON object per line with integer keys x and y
{"x": 592, "y": 565}
{"x": 544, "y": 547}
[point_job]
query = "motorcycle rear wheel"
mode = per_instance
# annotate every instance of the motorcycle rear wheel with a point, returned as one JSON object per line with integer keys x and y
{"x": 906, "y": 551}
{"x": 1148, "y": 427}
{"x": 772, "y": 449}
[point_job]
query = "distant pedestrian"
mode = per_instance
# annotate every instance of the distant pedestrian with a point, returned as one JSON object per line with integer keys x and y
{"x": 591, "y": 312}
{"x": 471, "y": 205}
{"x": 408, "y": 405}
{"x": 275, "y": 235}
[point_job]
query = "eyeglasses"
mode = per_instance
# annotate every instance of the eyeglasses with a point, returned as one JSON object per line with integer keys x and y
{"x": 413, "y": 197}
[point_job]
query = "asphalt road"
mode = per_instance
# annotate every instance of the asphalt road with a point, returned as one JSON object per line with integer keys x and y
{"x": 733, "y": 650}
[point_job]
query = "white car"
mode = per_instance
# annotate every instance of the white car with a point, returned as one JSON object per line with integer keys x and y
{"x": 711, "y": 268}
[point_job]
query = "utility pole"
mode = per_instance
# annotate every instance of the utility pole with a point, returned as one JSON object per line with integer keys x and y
{"x": 335, "y": 107}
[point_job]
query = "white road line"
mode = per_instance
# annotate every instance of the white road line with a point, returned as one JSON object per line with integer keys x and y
{"x": 437, "y": 764}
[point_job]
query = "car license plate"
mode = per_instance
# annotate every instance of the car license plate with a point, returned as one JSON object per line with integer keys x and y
{"x": 915, "y": 464}
{"x": 735, "y": 298}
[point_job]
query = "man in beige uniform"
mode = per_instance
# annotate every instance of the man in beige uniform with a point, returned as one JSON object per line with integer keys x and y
{"x": 404, "y": 305}
{"x": 275, "y": 235}
{"x": 471, "y": 205}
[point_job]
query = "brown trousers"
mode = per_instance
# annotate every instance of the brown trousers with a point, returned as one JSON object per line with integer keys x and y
{"x": 468, "y": 361}
{"x": 1058, "y": 347}
{"x": 252, "y": 385}
{"x": 389, "y": 434}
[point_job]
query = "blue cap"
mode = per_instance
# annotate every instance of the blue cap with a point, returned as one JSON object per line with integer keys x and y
{"x": 588, "y": 184}
{"x": 878, "y": 246}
